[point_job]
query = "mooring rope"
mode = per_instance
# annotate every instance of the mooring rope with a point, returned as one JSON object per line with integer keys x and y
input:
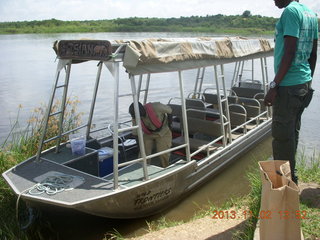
{"x": 51, "y": 185}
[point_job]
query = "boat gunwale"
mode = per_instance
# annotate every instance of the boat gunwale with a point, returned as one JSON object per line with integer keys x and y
{"x": 112, "y": 191}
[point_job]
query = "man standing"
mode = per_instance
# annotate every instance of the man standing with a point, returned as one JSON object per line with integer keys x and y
{"x": 290, "y": 92}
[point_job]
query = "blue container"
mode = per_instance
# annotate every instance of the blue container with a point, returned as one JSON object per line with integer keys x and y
{"x": 105, "y": 161}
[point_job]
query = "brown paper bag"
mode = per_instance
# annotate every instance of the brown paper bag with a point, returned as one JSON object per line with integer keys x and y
{"x": 279, "y": 214}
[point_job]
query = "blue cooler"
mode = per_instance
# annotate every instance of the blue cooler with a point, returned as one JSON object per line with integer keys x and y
{"x": 105, "y": 161}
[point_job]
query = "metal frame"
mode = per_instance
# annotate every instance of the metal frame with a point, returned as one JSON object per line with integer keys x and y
{"x": 113, "y": 66}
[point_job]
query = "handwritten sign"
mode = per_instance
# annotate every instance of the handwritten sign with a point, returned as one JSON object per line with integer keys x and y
{"x": 84, "y": 49}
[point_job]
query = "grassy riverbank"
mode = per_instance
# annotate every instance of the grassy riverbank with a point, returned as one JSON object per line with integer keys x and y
{"x": 21, "y": 144}
{"x": 309, "y": 172}
{"x": 245, "y": 24}
{"x": 9, "y": 228}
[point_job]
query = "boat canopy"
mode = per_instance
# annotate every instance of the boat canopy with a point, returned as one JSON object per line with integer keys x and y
{"x": 156, "y": 55}
{"x": 175, "y": 54}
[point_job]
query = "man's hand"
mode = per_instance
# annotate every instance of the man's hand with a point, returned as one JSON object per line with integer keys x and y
{"x": 270, "y": 97}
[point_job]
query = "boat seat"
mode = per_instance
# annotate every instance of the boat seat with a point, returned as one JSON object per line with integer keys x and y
{"x": 211, "y": 98}
{"x": 238, "y": 115}
{"x": 195, "y": 108}
{"x": 176, "y": 110}
{"x": 250, "y": 126}
{"x": 212, "y": 104}
{"x": 176, "y": 117}
{"x": 195, "y": 143}
{"x": 245, "y": 92}
{"x": 209, "y": 130}
{"x": 260, "y": 98}
{"x": 252, "y": 106}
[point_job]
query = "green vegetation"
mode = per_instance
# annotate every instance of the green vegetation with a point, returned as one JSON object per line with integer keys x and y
{"x": 240, "y": 24}
{"x": 251, "y": 203}
{"x": 20, "y": 145}
{"x": 308, "y": 168}
{"x": 309, "y": 171}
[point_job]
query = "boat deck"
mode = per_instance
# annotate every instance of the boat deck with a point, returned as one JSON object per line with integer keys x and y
{"x": 84, "y": 186}
{"x": 133, "y": 174}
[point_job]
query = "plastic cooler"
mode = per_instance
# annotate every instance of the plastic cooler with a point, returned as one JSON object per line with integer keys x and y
{"x": 105, "y": 161}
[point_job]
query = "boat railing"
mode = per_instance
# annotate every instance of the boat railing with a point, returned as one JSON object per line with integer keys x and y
{"x": 202, "y": 121}
{"x": 196, "y": 95}
{"x": 65, "y": 133}
{"x": 240, "y": 68}
{"x": 152, "y": 155}
{"x": 127, "y": 127}
{"x": 234, "y": 110}
{"x": 207, "y": 147}
{"x": 214, "y": 89}
{"x": 256, "y": 120}
{"x": 173, "y": 98}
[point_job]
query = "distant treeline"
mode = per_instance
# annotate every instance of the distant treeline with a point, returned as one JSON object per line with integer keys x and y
{"x": 240, "y": 24}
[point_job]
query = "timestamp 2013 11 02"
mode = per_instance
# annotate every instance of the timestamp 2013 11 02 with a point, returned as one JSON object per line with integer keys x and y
{"x": 263, "y": 214}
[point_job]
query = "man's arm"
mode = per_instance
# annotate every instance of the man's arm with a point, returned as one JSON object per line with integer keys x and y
{"x": 290, "y": 48}
{"x": 313, "y": 56}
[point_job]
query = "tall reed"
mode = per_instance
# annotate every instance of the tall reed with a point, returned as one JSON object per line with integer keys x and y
{"x": 20, "y": 144}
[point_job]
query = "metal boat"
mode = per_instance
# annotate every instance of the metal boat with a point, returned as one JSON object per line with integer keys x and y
{"x": 212, "y": 124}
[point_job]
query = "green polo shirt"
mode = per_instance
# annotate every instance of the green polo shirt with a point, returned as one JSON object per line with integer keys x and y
{"x": 297, "y": 21}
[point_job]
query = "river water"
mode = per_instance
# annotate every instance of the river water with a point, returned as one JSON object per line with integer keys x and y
{"x": 27, "y": 69}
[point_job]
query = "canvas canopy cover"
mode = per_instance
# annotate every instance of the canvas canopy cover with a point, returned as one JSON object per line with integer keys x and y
{"x": 166, "y": 54}
{"x": 174, "y": 54}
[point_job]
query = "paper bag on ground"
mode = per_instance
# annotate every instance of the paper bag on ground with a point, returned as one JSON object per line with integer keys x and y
{"x": 279, "y": 210}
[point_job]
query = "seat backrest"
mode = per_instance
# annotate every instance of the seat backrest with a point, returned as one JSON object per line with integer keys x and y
{"x": 248, "y": 83}
{"x": 251, "y": 105}
{"x": 207, "y": 127}
{"x": 176, "y": 110}
{"x": 260, "y": 98}
{"x": 238, "y": 115}
{"x": 245, "y": 92}
{"x": 195, "y": 108}
{"x": 211, "y": 98}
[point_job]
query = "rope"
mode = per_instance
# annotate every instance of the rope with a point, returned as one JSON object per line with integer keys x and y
{"x": 51, "y": 186}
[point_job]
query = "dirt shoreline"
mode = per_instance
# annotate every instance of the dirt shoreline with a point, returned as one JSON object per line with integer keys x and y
{"x": 207, "y": 228}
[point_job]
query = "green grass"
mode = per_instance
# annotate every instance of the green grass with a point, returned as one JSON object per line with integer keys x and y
{"x": 114, "y": 235}
{"x": 206, "y": 24}
{"x": 310, "y": 225}
{"x": 21, "y": 144}
{"x": 308, "y": 170}
{"x": 308, "y": 167}
{"x": 162, "y": 223}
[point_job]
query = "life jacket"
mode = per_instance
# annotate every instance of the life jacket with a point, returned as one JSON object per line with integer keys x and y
{"x": 153, "y": 118}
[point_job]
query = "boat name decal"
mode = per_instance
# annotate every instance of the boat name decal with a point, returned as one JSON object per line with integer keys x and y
{"x": 84, "y": 49}
{"x": 148, "y": 198}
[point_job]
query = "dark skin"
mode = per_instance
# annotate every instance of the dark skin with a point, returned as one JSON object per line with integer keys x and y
{"x": 290, "y": 46}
